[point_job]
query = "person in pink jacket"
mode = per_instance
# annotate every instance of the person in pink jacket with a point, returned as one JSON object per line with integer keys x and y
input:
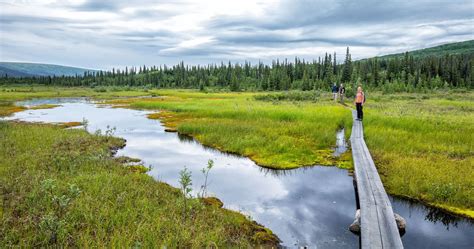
{"x": 359, "y": 102}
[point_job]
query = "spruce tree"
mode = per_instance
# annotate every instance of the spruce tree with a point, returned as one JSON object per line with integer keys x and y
{"x": 305, "y": 86}
{"x": 347, "y": 70}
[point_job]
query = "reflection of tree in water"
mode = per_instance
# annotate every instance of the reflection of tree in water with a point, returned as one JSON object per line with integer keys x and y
{"x": 437, "y": 215}
{"x": 189, "y": 139}
{"x": 267, "y": 171}
{"x": 433, "y": 214}
{"x": 284, "y": 172}
{"x": 185, "y": 138}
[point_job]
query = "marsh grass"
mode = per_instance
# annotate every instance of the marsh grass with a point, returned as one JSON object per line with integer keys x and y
{"x": 45, "y": 106}
{"x": 15, "y": 93}
{"x": 7, "y": 108}
{"x": 62, "y": 188}
{"x": 423, "y": 146}
{"x": 422, "y": 143}
{"x": 276, "y": 135}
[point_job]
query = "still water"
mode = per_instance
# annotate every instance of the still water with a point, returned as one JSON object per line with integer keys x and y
{"x": 310, "y": 206}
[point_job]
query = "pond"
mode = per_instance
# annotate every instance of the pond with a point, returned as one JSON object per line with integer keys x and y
{"x": 311, "y": 206}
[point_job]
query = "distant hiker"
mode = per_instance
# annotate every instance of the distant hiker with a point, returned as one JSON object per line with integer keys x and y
{"x": 359, "y": 102}
{"x": 335, "y": 89}
{"x": 342, "y": 91}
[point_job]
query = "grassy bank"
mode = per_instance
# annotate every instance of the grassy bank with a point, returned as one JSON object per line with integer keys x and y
{"x": 275, "y": 134}
{"x": 15, "y": 93}
{"x": 423, "y": 145}
{"x": 62, "y": 188}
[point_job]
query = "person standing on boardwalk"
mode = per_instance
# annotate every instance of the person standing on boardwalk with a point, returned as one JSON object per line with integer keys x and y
{"x": 359, "y": 102}
{"x": 334, "y": 91}
{"x": 342, "y": 91}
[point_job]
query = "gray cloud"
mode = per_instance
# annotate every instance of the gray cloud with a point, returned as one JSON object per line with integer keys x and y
{"x": 272, "y": 39}
{"x": 103, "y": 5}
{"x": 7, "y": 20}
{"x": 110, "y": 33}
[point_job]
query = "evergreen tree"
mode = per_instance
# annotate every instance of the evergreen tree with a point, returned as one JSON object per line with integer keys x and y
{"x": 407, "y": 72}
{"x": 347, "y": 70}
{"x": 234, "y": 83}
{"x": 305, "y": 84}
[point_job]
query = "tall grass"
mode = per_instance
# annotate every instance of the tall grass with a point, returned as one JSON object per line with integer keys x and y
{"x": 15, "y": 93}
{"x": 422, "y": 143}
{"x": 276, "y": 135}
{"x": 424, "y": 147}
{"x": 61, "y": 188}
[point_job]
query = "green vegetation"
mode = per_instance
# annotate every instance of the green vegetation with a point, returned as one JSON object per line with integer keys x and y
{"x": 45, "y": 106}
{"x": 445, "y": 67}
{"x": 62, "y": 188}
{"x": 273, "y": 134}
{"x": 423, "y": 146}
{"x": 465, "y": 47}
{"x": 422, "y": 143}
{"x": 11, "y": 93}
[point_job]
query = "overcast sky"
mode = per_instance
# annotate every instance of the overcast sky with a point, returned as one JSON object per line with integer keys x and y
{"x": 117, "y": 33}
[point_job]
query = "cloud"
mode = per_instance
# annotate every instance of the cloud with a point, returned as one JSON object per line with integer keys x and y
{"x": 110, "y": 33}
{"x": 103, "y": 5}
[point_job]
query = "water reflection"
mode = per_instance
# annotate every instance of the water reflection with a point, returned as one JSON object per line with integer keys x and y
{"x": 434, "y": 215}
{"x": 310, "y": 206}
{"x": 429, "y": 227}
{"x": 341, "y": 144}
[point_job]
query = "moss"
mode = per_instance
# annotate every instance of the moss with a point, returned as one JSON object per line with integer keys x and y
{"x": 170, "y": 120}
{"x": 138, "y": 168}
{"x": 468, "y": 213}
{"x": 263, "y": 236}
{"x": 70, "y": 124}
{"x": 115, "y": 144}
{"x": 126, "y": 160}
{"x": 45, "y": 106}
{"x": 212, "y": 201}
{"x": 345, "y": 161}
{"x": 7, "y": 110}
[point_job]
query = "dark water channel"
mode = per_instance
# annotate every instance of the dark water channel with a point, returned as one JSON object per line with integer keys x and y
{"x": 310, "y": 206}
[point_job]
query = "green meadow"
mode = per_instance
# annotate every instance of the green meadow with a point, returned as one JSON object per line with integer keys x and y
{"x": 62, "y": 188}
{"x": 422, "y": 144}
{"x": 278, "y": 135}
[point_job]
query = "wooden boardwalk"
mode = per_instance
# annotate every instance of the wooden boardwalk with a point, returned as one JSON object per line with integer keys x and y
{"x": 378, "y": 228}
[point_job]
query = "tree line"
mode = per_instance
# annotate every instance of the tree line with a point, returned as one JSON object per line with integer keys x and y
{"x": 407, "y": 73}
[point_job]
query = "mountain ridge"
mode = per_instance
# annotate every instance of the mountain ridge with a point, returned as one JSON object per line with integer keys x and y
{"x": 461, "y": 47}
{"x": 28, "y": 69}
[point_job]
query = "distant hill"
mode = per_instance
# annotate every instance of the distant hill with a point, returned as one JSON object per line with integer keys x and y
{"x": 465, "y": 47}
{"x": 20, "y": 69}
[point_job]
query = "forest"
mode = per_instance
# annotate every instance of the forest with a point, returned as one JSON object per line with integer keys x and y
{"x": 406, "y": 73}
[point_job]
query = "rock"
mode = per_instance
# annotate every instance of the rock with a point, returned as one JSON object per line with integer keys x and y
{"x": 355, "y": 226}
{"x": 401, "y": 223}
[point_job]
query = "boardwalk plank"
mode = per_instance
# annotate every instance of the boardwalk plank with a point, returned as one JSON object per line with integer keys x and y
{"x": 378, "y": 226}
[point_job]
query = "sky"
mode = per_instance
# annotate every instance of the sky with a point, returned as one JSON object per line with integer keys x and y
{"x": 118, "y": 33}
